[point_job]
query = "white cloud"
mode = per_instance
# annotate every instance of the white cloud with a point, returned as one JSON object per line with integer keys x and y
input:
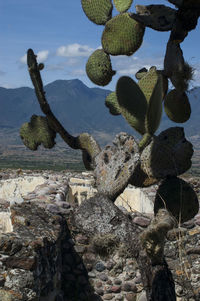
{"x": 23, "y": 59}
{"x": 130, "y": 65}
{"x": 73, "y": 50}
{"x": 78, "y": 72}
{"x": 41, "y": 56}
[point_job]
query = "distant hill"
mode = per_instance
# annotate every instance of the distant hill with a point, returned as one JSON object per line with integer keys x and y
{"x": 80, "y": 109}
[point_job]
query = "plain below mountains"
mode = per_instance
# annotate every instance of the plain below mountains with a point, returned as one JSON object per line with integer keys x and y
{"x": 80, "y": 109}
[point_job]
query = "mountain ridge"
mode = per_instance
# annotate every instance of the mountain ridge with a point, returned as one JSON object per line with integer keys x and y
{"x": 79, "y": 109}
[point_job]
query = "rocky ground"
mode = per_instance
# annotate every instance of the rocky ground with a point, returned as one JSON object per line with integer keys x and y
{"x": 44, "y": 256}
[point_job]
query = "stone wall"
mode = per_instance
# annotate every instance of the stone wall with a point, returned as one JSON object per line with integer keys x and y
{"x": 44, "y": 256}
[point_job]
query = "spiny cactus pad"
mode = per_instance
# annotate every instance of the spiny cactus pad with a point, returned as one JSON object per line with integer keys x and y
{"x": 178, "y": 197}
{"x": 151, "y": 86}
{"x": 112, "y": 103}
{"x": 99, "y": 68}
{"x": 142, "y": 72}
{"x": 37, "y": 132}
{"x": 177, "y": 106}
{"x": 132, "y": 102}
{"x": 164, "y": 83}
{"x": 122, "y": 5}
{"x": 98, "y": 11}
{"x": 122, "y": 35}
{"x": 115, "y": 165}
{"x": 148, "y": 82}
{"x": 158, "y": 17}
{"x": 168, "y": 154}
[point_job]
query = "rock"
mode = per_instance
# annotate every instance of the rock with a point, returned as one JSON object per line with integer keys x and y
{"x": 100, "y": 266}
{"x": 108, "y": 297}
{"x": 103, "y": 277}
{"x": 116, "y": 289}
{"x": 131, "y": 297}
{"x": 141, "y": 221}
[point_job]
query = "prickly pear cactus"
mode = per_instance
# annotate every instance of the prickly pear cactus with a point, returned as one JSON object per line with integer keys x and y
{"x": 112, "y": 103}
{"x": 141, "y": 104}
{"x": 142, "y": 72}
{"x": 132, "y": 103}
{"x": 37, "y": 132}
{"x": 148, "y": 82}
{"x": 122, "y": 35}
{"x": 122, "y": 5}
{"x": 177, "y": 106}
{"x": 115, "y": 165}
{"x": 168, "y": 154}
{"x": 158, "y": 17}
{"x": 97, "y": 11}
{"x": 178, "y": 197}
{"x": 99, "y": 68}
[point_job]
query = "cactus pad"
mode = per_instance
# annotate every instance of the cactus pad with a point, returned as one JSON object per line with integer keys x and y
{"x": 99, "y": 68}
{"x": 164, "y": 83}
{"x": 122, "y": 5}
{"x": 168, "y": 154}
{"x": 142, "y": 72}
{"x": 132, "y": 102}
{"x": 122, "y": 35}
{"x": 97, "y": 11}
{"x": 174, "y": 61}
{"x": 112, "y": 103}
{"x": 158, "y": 17}
{"x": 37, "y": 132}
{"x": 177, "y": 106}
{"x": 178, "y": 197}
{"x": 115, "y": 165}
{"x": 151, "y": 86}
{"x": 148, "y": 82}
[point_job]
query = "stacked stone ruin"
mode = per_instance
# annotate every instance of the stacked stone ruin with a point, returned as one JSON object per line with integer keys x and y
{"x": 45, "y": 256}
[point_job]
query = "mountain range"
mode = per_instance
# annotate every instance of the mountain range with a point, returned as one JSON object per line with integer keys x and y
{"x": 80, "y": 109}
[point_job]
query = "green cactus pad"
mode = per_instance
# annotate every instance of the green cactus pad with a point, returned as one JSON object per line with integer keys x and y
{"x": 154, "y": 112}
{"x": 98, "y": 11}
{"x": 37, "y": 132}
{"x": 151, "y": 86}
{"x": 132, "y": 102}
{"x": 142, "y": 72}
{"x": 177, "y": 106}
{"x": 164, "y": 83}
{"x": 168, "y": 154}
{"x": 122, "y": 5}
{"x": 122, "y": 35}
{"x": 112, "y": 103}
{"x": 148, "y": 82}
{"x": 178, "y": 197}
{"x": 99, "y": 68}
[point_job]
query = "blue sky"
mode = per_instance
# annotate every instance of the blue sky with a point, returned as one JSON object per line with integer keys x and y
{"x": 62, "y": 36}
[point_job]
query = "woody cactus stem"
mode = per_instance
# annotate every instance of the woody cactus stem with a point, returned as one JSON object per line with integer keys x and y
{"x": 153, "y": 240}
{"x": 84, "y": 141}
